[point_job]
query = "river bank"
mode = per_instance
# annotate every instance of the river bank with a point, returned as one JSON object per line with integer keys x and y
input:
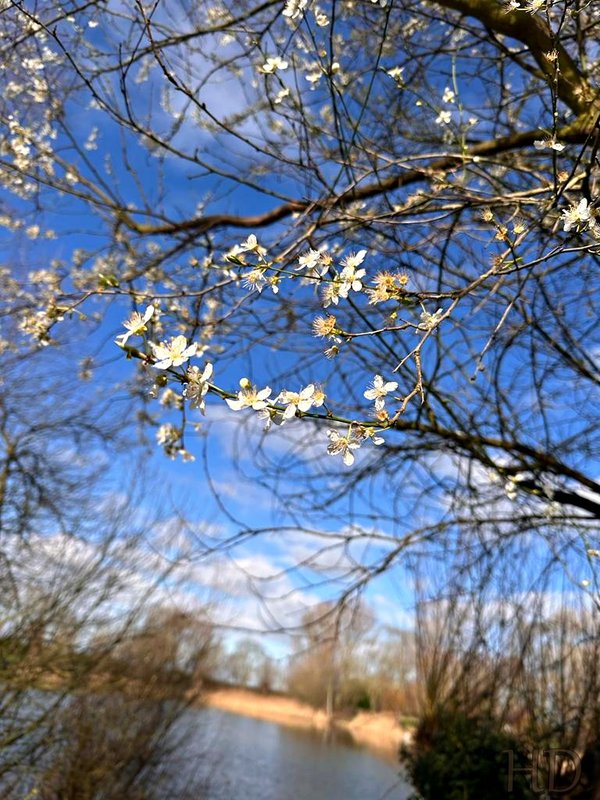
{"x": 378, "y": 730}
{"x": 381, "y": 731}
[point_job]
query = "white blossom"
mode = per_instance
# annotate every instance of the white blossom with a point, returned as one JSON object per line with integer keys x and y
{"x": 173, "y": 354}
{"x": 91, "y": 142}
{"x": 169, "y": 437}
{"x": 37, "y": 324}
{"x": 272, "y": 64}
{"x": 249, "y": 397}
{"x": 396, "y": 73}
{"x": 542, "y": 144}
{"x": 168, "y": 434}
{"x": 135, "y": 325}
{"x": 170, "y": 399}
{"x": 429, "y": 321}
{"x": 197, "y": 386}
{"x": 301, "y": 401}
{"x": 294, "y": 8}
{"x": 255, "y": 280}
{"x": 511, "y": 485}
{"x": 378, "y": 389}
{"x": 448, "y": 96}
{"x": 315, "y": 73}
{"x": 353, "y": 260}
{"x": 343, "y": 445}
{"x": 533, "y": 6}
{"x": 577, "y": 216}
{"x": 314, "y": 263}
{"x": 350, "y": 278}
{"x": 281, "y": 95}
{"x": 251, "y": 245}
{"x": 373, "y": 435}
{"x": 333, "y": 291}
{"x": 321, "y": 17}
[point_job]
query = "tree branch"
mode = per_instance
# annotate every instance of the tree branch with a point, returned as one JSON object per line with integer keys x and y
{"x": 530, "y": 29}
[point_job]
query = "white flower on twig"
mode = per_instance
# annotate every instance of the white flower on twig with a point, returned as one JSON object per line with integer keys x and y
{"x": 168, "y": 434}
{"x": 577, "y": 216}
{"x": 301, "y": 401}
{"x": 173, "y": 354}
{"x": 294, "y": 8}
{"x": 272, "y": 64}
{"x": 135, "y": 325}
{"x": 249, "y": 397}
{"x": 197, "y": 386}
{"x": 378, "y": 389}
{"x": 353, "y": 260}
{"x": 511, "y": 485}
{"x": 448, "y": 96}
{"x": 343, "y": 445}
{"x": 350, "y": 276}
{"x": 314, "y": 263}
{"x": 542, "y": 144}
{"x": 251, "y": 245}
{"x": 429, "y": 321}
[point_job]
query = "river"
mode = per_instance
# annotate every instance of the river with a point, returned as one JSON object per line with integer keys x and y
{"x": 250, "y": 759}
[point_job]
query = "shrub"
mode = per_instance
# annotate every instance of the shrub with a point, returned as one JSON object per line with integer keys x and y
{"x": 457, "y": 757}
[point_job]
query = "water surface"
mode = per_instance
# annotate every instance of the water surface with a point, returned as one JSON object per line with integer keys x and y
{"x": 250, "y": 759}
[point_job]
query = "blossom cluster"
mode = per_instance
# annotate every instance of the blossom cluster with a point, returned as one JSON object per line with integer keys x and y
{"x": 344, "y": 444}
{"x": 336, "y": 282}
{"x": 580, "y": 217}
{"x": 335, "y": 277}
{"x": 170, "y": 354}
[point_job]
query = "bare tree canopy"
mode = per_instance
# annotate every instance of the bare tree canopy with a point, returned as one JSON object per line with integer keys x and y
{"x": 369, "y": 226}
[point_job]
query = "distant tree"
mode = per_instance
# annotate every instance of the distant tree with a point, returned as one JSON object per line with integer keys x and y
{"x": 387, "y": 666}
{"x": 268, "y": 676}
{"x": 168, "y": 647}
{"x": 322, "y": 672}
{"x": 248, "y": 664}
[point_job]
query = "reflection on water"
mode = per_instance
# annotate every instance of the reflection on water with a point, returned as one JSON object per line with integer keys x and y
{"x": 250, "y": 759}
